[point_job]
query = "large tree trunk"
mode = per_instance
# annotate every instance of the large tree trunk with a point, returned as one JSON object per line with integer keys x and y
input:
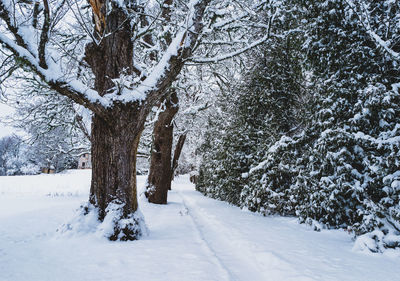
{"x": 115, "y": 135}
{"x": 159, "y": 179}
{"x": 114, "y": 148}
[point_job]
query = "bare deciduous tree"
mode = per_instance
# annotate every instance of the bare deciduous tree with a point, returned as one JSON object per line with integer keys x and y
{"x": 134, "y": 50}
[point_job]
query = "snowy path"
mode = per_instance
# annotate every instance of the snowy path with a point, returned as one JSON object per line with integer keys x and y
{"x": 241, "y": 258}
{"x": 252, "y": 247}
{"x": 193, "y": 238}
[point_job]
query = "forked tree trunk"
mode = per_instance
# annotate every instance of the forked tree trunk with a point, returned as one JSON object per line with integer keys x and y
{"x": 115, "y": 135}
{"x": 116, "y": 130}
{"x": 159, "y": 179}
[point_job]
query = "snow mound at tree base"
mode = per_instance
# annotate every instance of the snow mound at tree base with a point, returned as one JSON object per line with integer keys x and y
{"x": 115, "y": 225}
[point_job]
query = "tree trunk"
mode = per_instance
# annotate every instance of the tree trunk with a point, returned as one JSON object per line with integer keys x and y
{"x": 159, "y": 179}
{"x": 114, "y": 149}
{"x": 115, "y": 134}
{"x": 177, "y": 153}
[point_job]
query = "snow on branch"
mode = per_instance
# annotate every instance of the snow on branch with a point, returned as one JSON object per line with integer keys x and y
{"x": 384, "y": 44}
{"x": 234, "y": 28}
{"x": 33, "y": 56}
{"x": 177, "y": 34}
{"x": 223, "y": 57}
{"x": 54, "y": 77}
{"x": 362, "y": 12}
{"x": 156, "y": 75}
{"x": 168, "y": 67}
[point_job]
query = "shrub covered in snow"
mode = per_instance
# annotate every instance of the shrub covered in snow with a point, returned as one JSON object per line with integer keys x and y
{"x": 337, "y": 163}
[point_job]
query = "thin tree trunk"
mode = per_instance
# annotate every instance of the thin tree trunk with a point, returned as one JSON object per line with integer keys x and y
{"x": 159, "y": 179}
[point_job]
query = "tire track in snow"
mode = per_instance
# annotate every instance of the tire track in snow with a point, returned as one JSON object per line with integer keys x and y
{"x": 242, "y": 259}
{"x": 197, "y": 225}
{"x": 228, "y": 275}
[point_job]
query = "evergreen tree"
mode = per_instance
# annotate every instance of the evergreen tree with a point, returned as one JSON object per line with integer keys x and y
{"x": 331, "y": 158}
{"x": 354, "y": 123}
{"x": 262, "y": 109}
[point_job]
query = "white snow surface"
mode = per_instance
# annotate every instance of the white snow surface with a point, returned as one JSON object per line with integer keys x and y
{"x": 190, "y": 238}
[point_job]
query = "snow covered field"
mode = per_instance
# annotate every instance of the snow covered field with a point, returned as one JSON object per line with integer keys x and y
{"x": 191, "y": 238}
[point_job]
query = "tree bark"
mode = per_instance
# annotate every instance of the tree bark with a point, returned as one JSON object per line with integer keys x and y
{"x": 114, "y": 149}
{"x": 115, "y": 133}
{"x": 159, "y": 179}
{"x": 177, "y": 153}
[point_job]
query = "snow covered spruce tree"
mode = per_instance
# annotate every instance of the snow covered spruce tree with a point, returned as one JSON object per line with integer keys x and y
{"x": 229, "y": 146}
{"x": 281, "y": 82}
{"x": 348, "y": 181}
{"x": 130, "y": 74}
{"x": 263, "y": 108}
{"x": 339, "y": 169}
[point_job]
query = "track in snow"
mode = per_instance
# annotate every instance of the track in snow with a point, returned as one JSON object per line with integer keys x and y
{"x": 206, "y": 245}
{"x": 253, "y": 247}
{"x": 241, "y": 258}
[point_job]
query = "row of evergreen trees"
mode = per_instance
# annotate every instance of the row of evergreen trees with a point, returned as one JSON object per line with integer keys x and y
{"x": 314, "y": 128}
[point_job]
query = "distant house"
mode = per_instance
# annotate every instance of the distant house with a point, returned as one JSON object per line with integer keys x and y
{"x": 85, "y": 161}
{"x": 48, "y": 170}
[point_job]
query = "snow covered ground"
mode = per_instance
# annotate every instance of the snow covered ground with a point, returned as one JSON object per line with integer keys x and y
{"x": 191, "y": 238}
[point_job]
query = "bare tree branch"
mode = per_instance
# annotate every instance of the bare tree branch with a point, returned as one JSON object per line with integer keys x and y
{"x": 5, "y": 16}
{"x": 44, "y": 37}
{"x": 75, "y": 90}
{"x": 223, "y": 57}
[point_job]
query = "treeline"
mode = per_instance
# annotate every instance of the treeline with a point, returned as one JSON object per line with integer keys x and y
{"x": 313, "y": 129}
{"x": 19, "y": 156}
